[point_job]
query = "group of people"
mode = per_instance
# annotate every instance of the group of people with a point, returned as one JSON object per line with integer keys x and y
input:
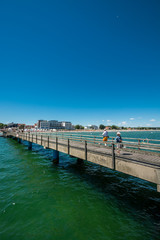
{"x": 118, "y": 139}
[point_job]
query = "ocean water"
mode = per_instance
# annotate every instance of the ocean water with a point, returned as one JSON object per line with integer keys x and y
{"x": 42, "y": 200}
{"x": 124, "y": 134}
{"x": 131, "y": 136}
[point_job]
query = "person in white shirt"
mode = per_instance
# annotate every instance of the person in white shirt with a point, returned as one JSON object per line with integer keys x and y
{"x": 105, "y": 136}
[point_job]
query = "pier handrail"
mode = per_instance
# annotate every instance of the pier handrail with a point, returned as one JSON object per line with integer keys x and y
{"x": 140, "y": 144}
{"x": 110, "y": 139}
{"x": 97, "y": 136}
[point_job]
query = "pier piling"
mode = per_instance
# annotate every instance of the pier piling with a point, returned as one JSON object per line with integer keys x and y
{"x": 80, "y": 161}
{"x": 55, "y": 156}
{"x": 29, "y": 145}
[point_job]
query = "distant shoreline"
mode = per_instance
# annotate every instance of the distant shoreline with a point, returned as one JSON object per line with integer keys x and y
{"x": 87, "y": 131}
{"x": 111, "y": 130}
{"x": 78, "y": 131}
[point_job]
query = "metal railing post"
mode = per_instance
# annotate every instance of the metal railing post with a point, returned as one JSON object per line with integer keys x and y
{"x": 48, "y": 141}
{"x": 36, "y": 138}
{"x": 138, "y": 144}
{"x": 85, "y": 150}
{"x": 113, "y": 156}
{"x": 68, "y": 146}
{"x": 57, "y": 143}
{"x": 41, "y": 139}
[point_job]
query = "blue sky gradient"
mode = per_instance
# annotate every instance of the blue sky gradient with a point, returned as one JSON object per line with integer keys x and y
{"x": 81, "y": 61}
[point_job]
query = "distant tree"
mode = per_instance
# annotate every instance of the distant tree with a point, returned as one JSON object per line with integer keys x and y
{"x": 21, "y": 126}
{"x": 114, "y": 127}
{"x": 79, "y": 126}
{"x": 124, "y": 128}
{"x": 2, "y": 125}
{"x": 101, "y": 126}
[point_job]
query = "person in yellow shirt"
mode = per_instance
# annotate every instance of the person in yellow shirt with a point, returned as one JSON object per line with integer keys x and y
{"x": 105, "y": 136}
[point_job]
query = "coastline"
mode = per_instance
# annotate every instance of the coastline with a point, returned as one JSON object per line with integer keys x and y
{"x": 79, "y": 131}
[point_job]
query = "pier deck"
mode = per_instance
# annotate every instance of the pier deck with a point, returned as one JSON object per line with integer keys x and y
{"x": 139, "y": 164}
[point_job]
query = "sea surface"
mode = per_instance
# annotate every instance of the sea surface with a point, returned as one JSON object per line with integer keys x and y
{"x": 40, "y": 200}
{"x": 131, "y": 136}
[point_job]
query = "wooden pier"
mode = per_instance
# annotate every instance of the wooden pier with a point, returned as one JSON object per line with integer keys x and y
{"x": 142, "y": 165}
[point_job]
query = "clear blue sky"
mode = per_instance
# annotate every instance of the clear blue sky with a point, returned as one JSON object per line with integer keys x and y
{"x": 82, "y": 61}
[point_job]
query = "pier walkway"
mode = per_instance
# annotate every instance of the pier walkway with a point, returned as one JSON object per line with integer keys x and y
{"x": 144, "y": 165}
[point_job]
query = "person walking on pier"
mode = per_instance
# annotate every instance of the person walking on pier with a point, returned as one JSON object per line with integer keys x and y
{"x": 105, "y": 136}
{"x": 118, "y": 140}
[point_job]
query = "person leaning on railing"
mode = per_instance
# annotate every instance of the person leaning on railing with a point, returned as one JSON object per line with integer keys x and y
{"x": 105, "y": 136}
{"x": 118, "y": 140}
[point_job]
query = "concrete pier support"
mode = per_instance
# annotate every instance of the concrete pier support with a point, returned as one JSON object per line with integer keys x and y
{"x": 29, "y": 145}
{"x": 80, "y": 161}
{"x": 4, "y": 134}
{"x": 158, "y": 180}
{"x": 55, "y": 156}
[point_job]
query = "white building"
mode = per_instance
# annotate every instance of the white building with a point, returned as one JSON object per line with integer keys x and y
{"x": 54, "y": 124}
{"x": 67, "y": 125}
{"x": 44, "y": 124}
{"x": 91, "y": 127}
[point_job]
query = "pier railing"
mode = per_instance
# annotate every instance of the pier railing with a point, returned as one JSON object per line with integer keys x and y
{"x": 143, "y": 144}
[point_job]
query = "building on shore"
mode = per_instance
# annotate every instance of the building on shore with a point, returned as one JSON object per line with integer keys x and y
{"x": 39, "y": 123}
{"x": 30, "y": 126}
{"x": 54, "y": 124}
{"x": 67, "y": 125}
{"x": 43, "y": 124}
{"x": 108, "y": 128}
{"x": 91, "y": 127}
{"x": 12, "y": 125}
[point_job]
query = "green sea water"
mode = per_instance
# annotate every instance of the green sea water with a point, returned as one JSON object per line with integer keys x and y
{"x": 41, "y": 200}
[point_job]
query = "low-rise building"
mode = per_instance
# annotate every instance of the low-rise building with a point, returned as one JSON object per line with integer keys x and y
{"x": 108, "y": 128}
{"x": 44, "y": 124}
{"x": 66, "y": 125}
{"x": 39, "y": 123}
{"x": 29, "y": 126}
{"x": 54, "y": 124}
{"x": 91, "y": 127}
{"x": 11, "y": 125}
